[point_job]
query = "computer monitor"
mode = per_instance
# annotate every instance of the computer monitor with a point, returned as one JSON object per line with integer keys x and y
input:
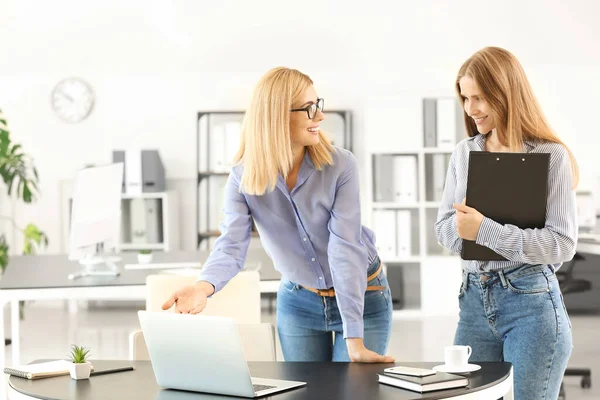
{"x": 96, "y": 219}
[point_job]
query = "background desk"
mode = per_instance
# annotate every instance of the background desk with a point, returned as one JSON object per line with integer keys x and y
{"x": 325, "y": 381}
{"x": 44, "y": 277}
{"x": 588, "y": 302}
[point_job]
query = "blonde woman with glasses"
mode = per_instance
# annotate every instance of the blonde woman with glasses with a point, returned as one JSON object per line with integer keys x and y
{"x": 333, "y": 303}
{"x": 511, "y": 310}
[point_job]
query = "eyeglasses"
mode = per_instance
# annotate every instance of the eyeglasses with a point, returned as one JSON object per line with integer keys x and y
{"x": 311, "y": 110}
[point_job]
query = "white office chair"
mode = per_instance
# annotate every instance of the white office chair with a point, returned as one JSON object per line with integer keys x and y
{"x": 239, "y": 299}
{"x": 258, "y": 341}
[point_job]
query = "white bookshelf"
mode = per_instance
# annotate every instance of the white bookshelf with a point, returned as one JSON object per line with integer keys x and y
{"x": 430, "y": 276}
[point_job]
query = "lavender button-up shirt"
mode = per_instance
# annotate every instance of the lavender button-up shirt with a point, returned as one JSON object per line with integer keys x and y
{"x": 313, "y": 234}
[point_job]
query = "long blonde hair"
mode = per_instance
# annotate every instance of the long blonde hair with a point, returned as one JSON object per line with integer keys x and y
{"x": 266, "y": 148}
{"x": 513, "y": 105}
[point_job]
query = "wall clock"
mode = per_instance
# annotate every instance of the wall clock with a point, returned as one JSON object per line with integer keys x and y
{"x": 72, "y": 99}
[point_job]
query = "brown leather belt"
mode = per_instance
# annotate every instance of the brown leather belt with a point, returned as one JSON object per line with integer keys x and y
{"x": 331, "y": 292}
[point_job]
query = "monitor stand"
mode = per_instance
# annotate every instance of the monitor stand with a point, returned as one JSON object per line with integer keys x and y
{"x": 96, "y": 265}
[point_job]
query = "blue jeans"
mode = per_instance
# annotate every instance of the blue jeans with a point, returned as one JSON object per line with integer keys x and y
{"x": 518, "y": 315}
{"x": 310, "y": 326}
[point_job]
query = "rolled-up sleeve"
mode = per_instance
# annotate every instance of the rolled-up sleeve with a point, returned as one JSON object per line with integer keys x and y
{"x": 445, "y": 226}
{"x": 347, "y": 254}
{"x": 229, "y": 251}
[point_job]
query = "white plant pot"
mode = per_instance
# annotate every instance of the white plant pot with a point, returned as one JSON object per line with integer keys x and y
{"x": 144, "y": 258}
{"x": 80, "y": 371}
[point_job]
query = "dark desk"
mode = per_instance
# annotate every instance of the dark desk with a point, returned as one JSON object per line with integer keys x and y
{"x": 325, "y": 381}
{"x": 45, "y": 277}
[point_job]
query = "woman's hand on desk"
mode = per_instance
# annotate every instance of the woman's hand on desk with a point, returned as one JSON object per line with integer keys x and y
{"x": 468, "y": 221}
{"x": 190, "y": 299}
{"x": 359, "y": 353}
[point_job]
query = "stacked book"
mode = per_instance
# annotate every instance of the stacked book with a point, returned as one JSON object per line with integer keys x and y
{"x": 422, "y": 384}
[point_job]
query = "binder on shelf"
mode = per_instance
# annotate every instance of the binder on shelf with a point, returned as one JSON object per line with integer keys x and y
{"x": 383, "y": 178}
{"x": 216, "y": 201}
{"x": 233, "y": 131}
{"x": 403, "y": 234}
{"x": 430, "y": 122}
{"x": 436, "y": 167}
{"x": 146, "y": 221}
{"x": 405, "y": 179}
{"x": 138, "y": 232}
{"x": 143, "y": 171}
{"x": 384, "y": 225}
{"x": 153, "y": 214}
{"x": 446, "y": 123}
{"x": 153, "y": 172}
{"x": 133, "y": 172}
{"x": 217, "y": 146}
{"x": 439, "y": 172}
{"x": 509, "y": 188}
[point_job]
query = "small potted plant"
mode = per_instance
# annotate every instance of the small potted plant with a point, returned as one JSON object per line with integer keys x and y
{"x": 145, "y": 256}
{"x": 80, "y": 367}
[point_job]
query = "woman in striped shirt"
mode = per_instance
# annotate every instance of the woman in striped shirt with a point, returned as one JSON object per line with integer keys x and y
{"x": 511, "y": 310}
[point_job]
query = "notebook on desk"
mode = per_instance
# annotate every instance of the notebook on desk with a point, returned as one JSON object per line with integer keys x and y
{"x": 49, "y": 369}
{"x": 439, "y": 381}
{"x": 509, "y": 188}
{"x": 40, "y": 370}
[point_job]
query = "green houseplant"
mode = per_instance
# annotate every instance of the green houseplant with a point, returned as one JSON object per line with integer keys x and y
{"x": 80, "y": 367}
{"x": 144, "y": 256}
{"x": 20, "y": 178}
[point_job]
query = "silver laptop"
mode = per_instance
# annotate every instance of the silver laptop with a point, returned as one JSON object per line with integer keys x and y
{"x": 202, "y": 354}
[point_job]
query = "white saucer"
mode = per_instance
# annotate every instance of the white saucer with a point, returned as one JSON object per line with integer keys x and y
{"x": 455, "y": 370}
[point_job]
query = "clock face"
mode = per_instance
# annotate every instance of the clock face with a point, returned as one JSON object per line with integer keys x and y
{"x": 72, "y": 99}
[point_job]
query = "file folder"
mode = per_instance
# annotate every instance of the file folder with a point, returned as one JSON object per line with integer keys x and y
{"x": 509, "y": 188}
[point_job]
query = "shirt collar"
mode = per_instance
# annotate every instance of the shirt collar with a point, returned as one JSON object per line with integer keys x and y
{"x": 479, "y": 140}
{"x": 307, "y": 161}
{"x": 306, "y": 169}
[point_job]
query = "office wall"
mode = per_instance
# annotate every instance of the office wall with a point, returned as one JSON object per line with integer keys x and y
{"x": 154, "y": 64}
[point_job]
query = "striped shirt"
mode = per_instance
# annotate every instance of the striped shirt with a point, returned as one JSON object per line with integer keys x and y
{"x": 553, "y": 244}
{"x": 313, "y": 233}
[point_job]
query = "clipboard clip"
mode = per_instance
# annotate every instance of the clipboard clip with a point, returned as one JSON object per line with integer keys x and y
{"x": 498, "y": 159}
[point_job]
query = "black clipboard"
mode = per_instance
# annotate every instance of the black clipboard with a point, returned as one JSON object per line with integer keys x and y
{"x": 509, "y": 188}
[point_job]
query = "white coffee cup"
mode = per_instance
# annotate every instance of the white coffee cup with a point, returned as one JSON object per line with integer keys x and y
{"x": 457, "y": 356}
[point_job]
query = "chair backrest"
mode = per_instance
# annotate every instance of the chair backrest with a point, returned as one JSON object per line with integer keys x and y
{"x": 137, "y": 347}
{"x": 239, "y": 299}
{"x": 566, "y": 278}
{"x": 258, "y": 341}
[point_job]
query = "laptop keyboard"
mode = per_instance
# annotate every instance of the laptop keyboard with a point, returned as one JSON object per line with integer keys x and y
{"x": 258, "y": 388}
